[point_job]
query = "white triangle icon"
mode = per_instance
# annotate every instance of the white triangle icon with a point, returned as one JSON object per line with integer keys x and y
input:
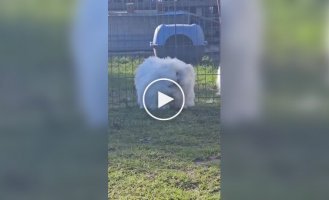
{"x": 163, "y": 99}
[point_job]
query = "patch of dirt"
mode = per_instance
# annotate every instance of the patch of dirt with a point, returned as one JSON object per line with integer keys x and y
{"x": 207, "y": 161}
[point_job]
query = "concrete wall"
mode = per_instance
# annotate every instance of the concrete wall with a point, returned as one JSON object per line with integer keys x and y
{"x": 135, "y": 32}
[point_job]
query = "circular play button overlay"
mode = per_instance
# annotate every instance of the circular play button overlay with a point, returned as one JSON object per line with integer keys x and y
{"x": 159, "y": 95}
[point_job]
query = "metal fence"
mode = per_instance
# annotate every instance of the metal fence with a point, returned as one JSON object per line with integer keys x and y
{"x": 131, "y": 28}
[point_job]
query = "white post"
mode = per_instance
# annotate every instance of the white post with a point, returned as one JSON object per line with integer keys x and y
{"x": 241, "y": 48}
{"x": 90, "y": 51}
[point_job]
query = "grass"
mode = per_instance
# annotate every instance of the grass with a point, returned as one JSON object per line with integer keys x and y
{"x": 149, "y": 159}
{"x": 178, "y": 159}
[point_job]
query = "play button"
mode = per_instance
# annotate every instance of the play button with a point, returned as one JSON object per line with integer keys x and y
{"x": 160, "y": 95}
{"x": 163, "y": 99}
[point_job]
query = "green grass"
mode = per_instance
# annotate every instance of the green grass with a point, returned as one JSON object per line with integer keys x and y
{"x": 178, "y": 159}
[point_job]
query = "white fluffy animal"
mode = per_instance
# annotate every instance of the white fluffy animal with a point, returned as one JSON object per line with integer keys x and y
{"x": 171, "y": 68}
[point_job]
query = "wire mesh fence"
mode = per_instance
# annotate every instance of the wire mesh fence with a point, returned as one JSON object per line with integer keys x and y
{"x": 132, "y": 25}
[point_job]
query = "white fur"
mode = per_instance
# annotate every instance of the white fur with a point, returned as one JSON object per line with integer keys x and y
{"x": 154, "y": 68}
